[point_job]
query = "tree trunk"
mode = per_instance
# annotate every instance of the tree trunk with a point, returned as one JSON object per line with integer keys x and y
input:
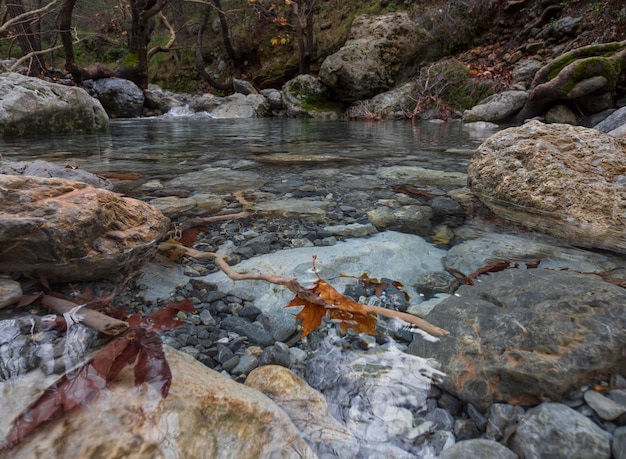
{"x": 65, "y": 24}
{"x": 26, "y": 38}
{"x": 142, "y": 11}
{"x": 234, "y": 56}
{"x": 206, "y": 76}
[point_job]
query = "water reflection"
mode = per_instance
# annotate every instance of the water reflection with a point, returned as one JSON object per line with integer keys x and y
{"x": 168, "y": 146}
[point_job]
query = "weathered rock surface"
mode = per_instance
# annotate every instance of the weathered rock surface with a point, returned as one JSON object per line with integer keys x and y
{"x": 40, "y": 168}
{"x": 498, "y": 107}
{"x": 68, "y": 230}
{"x": 306, "y": 96}
{"x": 392, "y": 104}
{"x": 525, "y": 336}
{"x": 307, "y": 408}
{"x": 10, "y": 292}
{"x": 205, "y": 415}
{"x": 30, "y": 106}
{"x": 120, "y": 98}
{"x": 557, "y": 431}
{"x": 563, "y": 180}
{"x": 242, "y": 106}
{"x": 477, "y": 449}
{"x": 380, "y": 51}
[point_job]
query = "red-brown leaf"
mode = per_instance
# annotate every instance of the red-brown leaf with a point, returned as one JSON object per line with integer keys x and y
{"x": 342, "y": 310}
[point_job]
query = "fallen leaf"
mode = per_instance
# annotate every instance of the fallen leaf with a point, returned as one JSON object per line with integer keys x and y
{"x": 140, "y": 346}
{"x": 342, "y": 310}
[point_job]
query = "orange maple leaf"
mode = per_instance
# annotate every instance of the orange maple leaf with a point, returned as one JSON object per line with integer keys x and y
{"x": 340, "y": 309}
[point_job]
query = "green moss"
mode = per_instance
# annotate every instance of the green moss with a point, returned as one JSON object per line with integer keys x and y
{"x": 591, "y": 67}
{"x": 320, "y": 104}
{"x": 593, "y": 51}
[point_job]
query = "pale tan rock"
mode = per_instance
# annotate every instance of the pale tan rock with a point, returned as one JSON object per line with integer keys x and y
{"x": 205, "y": 415}
{"x": 10, "y": 292}
{"x": 305, "y": 406}
{"x": 567, "y": 181}
{"x": 66, "y": 230}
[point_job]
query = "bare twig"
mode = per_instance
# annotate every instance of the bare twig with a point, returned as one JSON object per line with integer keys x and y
{"x": 94, "y": 319}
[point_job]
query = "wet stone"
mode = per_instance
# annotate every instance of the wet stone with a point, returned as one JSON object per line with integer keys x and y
{"x": 450, "y": 403}
{"x": 250, "y": 312}
{"x": 231, "y": 363}
{"x": 441, "y": 418}
{"x": 246, "y": 364}
{"x": 465, "y": 429}
{"x": 501, "y": 416}
{"x": 253, "y": 330}
{"x": 223, "y": 353}
{"x": 476, "y": 416}
{"x": 276, "y": 354}
{"x": 606, "y": 408}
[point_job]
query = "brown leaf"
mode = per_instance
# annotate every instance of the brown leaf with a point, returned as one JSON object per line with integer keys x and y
{"x": 342, "y": 310}
{"x": 189, "y": 237}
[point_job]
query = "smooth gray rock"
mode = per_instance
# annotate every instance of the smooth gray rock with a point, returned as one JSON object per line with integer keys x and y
{"x": 558, "y": 432}
{"x": 618, "y": 444}
{"x": 613, "y": 121}
{"x": 40, "y": 168}
{"x": 402, "y": 257}
{"x": 120, "y": 98}
{"x": 605, "y": 408}
{"x": 497, "y": 107}
{"x": 477, "y": 449}
{"x": 26, "y": 105}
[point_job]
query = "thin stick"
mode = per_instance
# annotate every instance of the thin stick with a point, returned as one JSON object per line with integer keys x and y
{"x": 91, "y": 318}
{"x": 293, "y": 285}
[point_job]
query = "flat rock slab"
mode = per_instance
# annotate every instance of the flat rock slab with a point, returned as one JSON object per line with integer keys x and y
{"x": 521, "y": 336}
{"x": 66, "y": 230}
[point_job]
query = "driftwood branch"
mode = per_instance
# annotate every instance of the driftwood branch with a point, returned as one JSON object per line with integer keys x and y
{"x": 91, "y": 318}
{"x": 293, "y": 285}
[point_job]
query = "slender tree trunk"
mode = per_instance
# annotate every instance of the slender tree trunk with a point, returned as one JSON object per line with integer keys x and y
{"x": 26, "y": 38}
{"x": 206, "y": 76}
{"x": 65, "y": 25}
{"x": 234, "y": 56}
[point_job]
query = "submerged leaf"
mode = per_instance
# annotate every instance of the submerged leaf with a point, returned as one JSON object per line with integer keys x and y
{"x": 342, "y": 310}
{"x": 140, "y": 346}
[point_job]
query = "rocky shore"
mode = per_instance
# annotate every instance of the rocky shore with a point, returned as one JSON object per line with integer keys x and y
{"x": 536, "y": 324}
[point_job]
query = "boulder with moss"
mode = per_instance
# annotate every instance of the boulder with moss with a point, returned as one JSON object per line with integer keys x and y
{"x": 592, "y": 70}
{"x": 307, "y": 97}
{"x": 380, "y": 51}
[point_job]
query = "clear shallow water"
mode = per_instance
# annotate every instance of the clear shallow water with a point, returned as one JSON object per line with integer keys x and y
{"x": 166, "y": 147}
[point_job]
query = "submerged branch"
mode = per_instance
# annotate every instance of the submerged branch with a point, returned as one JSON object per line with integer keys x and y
{"x": 292, "y": 284}
{"x": 91, "y": 318}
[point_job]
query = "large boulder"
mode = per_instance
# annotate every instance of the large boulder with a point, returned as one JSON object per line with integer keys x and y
{"x": 563, "y": 180}
{"x": 121, "y": 98}
{"x": 306, "y": 96}
{"x": 522, "y": 336}
{"x": 30, "y": 106}
{"x": 68, "y": 230}
{"x": 205, "y": 415}
{"x": 380, "y": 51}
